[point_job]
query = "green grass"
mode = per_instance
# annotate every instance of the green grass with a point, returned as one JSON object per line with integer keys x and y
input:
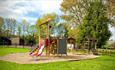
{"x": 7, "y": 50}
{"x": 104, "y": 62}
{"x": 101, "y": 63}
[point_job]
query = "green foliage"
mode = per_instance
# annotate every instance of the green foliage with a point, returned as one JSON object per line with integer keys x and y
{"x": 30, "y": 39}
{"x": 94, "y": 25}
{"x": 74, "y": 11}
{"x": 1, "y": 24}
{"x": 24, "y": 27}
{"x": 70, "y": 30}
{"x": 110, "y": 5}
{"x": 8, "y": 27}
{"x": 42, "y": 27}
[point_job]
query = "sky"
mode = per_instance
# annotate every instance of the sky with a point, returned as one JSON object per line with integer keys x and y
{"x": 31, "y": 10}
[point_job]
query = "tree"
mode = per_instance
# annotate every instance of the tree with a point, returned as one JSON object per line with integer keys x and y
{"x": 43, "y": 27}
{"x": 94, "y": 26}
{"x": 1, "y": 22}
{"x": 111, "y": 10}
{"x": 31, "y": 34}
{"x": 10, "y": 26}
{"x": 1, "y": 25}
{"x": 74, "y": 11}
{"x": 58, "y": 30}
{"x": 111, "y": 7}
{"x": 26, "y": 32}
{"x": 71, "y": 30}
{"x": 25, "y": 26}
{"x": 19, "y": 31}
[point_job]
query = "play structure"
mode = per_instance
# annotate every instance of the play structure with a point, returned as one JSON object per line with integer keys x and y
{"x": 53, "y": 45}
{"x": 39, "y": 49}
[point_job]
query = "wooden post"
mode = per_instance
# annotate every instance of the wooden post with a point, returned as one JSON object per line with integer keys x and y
{"x": 47, "y": 48}
{"x": 48, "y": 36}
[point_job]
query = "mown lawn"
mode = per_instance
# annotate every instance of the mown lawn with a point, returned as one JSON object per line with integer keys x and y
{"x": 7, "y": 50}
{"x": 101, "y": 63}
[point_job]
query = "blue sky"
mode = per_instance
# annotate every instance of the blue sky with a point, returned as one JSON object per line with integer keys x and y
{"x": 31, "y": 10}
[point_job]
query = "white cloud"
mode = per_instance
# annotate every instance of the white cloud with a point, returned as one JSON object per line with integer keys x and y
{"x": 49, "y": 5}
{"x": 20, "y": 8}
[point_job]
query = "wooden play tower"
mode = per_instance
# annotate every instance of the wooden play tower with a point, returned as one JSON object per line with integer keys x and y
{"x": 56, "y": 46}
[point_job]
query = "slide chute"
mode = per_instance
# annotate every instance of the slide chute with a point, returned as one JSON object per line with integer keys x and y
{"x": 39, "y": 49}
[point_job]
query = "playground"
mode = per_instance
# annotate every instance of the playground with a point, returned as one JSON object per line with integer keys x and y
{"x": 57, "y": 35}
{"x": 48, "y": 49}
{"x": 24, "y": 58}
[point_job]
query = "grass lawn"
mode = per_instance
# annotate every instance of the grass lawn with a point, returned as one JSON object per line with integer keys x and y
{"x": 100, "y": 63}
{"x": 7, "y": 50}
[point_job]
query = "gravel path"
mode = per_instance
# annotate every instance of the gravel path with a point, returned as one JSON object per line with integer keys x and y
{"x": 25, "y": 58}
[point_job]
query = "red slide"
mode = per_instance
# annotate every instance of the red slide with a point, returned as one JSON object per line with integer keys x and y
{"x": 38, "y": 50}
